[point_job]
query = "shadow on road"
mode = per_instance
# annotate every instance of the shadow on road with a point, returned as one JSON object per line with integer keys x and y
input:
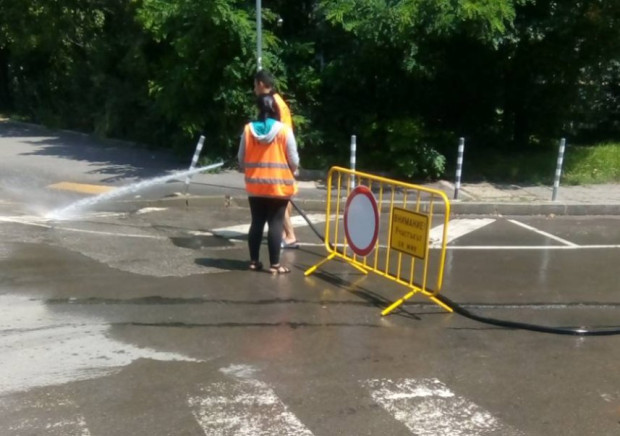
{"x": 114, "y": 158}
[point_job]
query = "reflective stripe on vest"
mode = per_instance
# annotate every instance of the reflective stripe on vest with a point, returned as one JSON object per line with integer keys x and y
{"x": 265, "y": 165}
{"x": 267, "y": 173}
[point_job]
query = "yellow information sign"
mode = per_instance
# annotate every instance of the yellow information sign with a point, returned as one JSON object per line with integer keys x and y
{"x": 409, "y": 232}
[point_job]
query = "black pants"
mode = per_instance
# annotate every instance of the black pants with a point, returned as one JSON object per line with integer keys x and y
{"x": 271, "y": 211}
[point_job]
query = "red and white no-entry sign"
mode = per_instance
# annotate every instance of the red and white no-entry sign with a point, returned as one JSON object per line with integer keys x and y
{"x": 361, "y": 220}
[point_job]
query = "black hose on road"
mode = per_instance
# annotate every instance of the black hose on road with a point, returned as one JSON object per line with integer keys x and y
{"x": 525, "y": 326}
{"x": 303, "y": 214}
{"x": 494, "y": 321}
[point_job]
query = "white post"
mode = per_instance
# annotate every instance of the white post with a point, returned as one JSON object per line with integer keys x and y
{"x": 192, "y": 165}
{"x": 259, "y": 35}
{"x": 459, "y": 167}
{"x": 558, "y": 169}
{"x": 352, "y": 159}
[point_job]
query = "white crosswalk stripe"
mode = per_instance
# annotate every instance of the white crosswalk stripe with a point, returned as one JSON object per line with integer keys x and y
{"x": 243, "y": 408}
{"x": 242, "y": 229}
{"x": 456, "y": 228}
{"x": 52, "y": 416}
{"x": 428, "y": 407}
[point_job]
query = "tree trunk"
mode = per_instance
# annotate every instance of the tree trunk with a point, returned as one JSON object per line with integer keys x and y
{"x": 5, "y": 89}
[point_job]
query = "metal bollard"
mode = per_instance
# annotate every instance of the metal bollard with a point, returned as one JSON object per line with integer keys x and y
{"x": 352, "y": 159}
{"x": 459, "y": 167}
{"x": 201, "y": 142}
{"x": 259, "y": 35}
{"x": 558, "y": 169}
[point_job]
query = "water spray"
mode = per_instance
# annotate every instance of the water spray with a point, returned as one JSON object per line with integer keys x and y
{"x": 74, "y": 209}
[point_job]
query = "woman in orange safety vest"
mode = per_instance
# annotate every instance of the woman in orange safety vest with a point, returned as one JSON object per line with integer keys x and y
{"x": 264, "y": 83}
{"x": 268, "y": 156}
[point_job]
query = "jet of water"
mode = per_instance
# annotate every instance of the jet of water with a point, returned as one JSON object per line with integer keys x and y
{"x": 73, "y": 210}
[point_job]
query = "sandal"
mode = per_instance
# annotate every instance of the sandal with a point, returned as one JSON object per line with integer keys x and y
{"x": 255, "y": 265}
{"x": 293, "y": 244}
{"x": 279, "y": 269}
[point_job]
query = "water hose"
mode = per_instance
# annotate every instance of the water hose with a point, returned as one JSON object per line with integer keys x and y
{"x": 582, "y": 331}
{"x": 303, "y": 214}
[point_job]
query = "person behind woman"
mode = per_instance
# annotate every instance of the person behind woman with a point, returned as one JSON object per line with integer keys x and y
{"x": 264, "y": 83}
{"x": 268, "y": 156}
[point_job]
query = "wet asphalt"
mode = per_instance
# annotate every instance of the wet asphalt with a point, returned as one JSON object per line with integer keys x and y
{"x": 153, "y": 284}
{"x": 140, "y": 317}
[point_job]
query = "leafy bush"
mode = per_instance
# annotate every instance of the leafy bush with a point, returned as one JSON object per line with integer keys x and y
{"x": 593, "y": 164}
{"x": 402, "y": 147}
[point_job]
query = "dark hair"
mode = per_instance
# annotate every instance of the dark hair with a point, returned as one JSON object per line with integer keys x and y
{"x": 266, "y": 78}
{"x": 267, "y": 107}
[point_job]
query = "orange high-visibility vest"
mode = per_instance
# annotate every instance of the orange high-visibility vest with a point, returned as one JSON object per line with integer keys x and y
{"x": 285, "y": 113}
{"x": 267, "y": 173}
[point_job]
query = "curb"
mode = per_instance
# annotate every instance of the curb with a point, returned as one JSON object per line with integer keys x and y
{"x": 456, "y": 207}
{"x": 534, "y": 208}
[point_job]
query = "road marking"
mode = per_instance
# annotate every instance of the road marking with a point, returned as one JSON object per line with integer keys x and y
{"x": 457, "y": 228}
{"x": 42, "y": 347}
{"x": 231, "y": 232}
{"x": 243, "y": 407}
{"x": 240, "y": 371}
{"x": 489, "y": 247}
{"x": 120, "y": 235}
{"x": 428, "y": 407}
{"x": 40, "y": 416}
{"x": 31, "y": 220}
{"x": 540, "y": 232}
{"x": 234, "y": 232}
{"x": 533, "y": 247}
{"x": 81, "y": 187}
{"x": 149, "y": 210}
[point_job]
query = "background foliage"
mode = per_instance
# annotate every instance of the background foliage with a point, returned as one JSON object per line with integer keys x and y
{"x": 408, "y": 77}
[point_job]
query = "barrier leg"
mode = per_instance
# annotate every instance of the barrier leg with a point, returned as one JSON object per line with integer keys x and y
{"x": 400, "y": 301}
{"x": 314, "y": 268}
{"x": 359, "y": 268}
{"x": 437, "y": 301}
{"x": 441, "y": 304}
{"x": 397, "y": 303}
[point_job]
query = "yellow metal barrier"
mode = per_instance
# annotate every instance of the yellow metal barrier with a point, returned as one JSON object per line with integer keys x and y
{"x": 401, "y": 217}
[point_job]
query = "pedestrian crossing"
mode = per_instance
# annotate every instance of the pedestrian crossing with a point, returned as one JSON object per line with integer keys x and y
{"x": 244, "y": 408}
{"x": 241, "y": 230}
{"x": 46, "y": 421}
{"x": 241, "y": 404}
{"x": 458, "y": 227}
{"x": 428, "y": 407}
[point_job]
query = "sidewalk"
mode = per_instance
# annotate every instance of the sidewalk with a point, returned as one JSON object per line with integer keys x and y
{"x": 507, "y": 199}
{"x": 473, "y": 198}
{"x": 113, "y": 162}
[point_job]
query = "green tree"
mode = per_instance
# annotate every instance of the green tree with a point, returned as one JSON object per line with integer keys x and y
{"x": 201, "y": 72}
{"x": 406, "y": 76}
{"x": 63, "y": 63}
{"x": 381, "y": 62}
{"x": 561, "y": 70}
